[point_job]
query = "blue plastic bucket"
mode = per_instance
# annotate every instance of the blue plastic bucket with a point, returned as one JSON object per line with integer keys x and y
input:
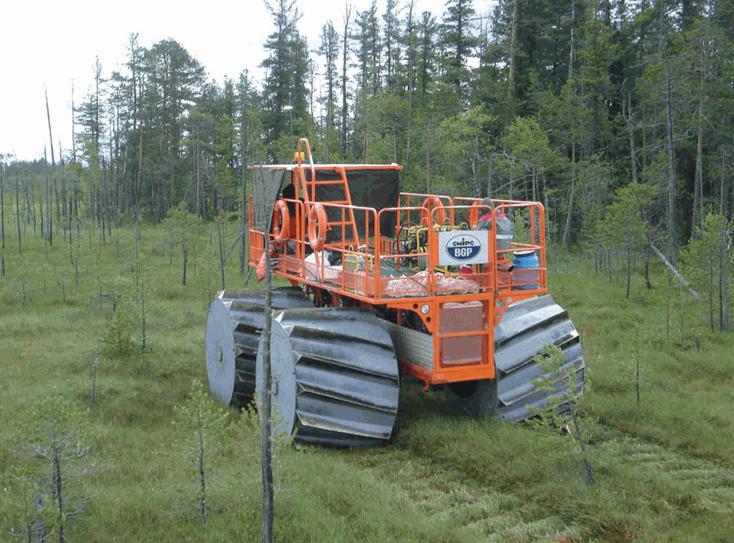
{"x": 525, "y": 272}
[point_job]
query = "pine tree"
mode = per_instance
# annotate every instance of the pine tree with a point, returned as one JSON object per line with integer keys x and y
{"x": 427, "y": 52}
{"x": 285, "y": 95}
{"x": 391, "y": 45}
{"x": 368, "y": 46}
{"x": 458, "y": 40}
{"x": 329, "y": 50}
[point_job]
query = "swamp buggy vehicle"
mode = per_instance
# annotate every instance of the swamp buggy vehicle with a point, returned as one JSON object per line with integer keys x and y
{"x": 385, "y": 283}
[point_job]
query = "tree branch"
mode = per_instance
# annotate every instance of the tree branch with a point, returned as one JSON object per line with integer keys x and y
{"x": 678, "y": 275}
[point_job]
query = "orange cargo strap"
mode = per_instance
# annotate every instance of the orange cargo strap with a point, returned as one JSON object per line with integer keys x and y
{"x": 281, "y": 222}
{"x": 317, "y": 227}
{"x": 433, "y": 202}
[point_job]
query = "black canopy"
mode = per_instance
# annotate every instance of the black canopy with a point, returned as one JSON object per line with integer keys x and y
{"x": 367, "y": 188}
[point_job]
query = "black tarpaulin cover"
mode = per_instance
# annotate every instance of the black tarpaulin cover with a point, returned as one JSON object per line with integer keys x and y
{"x": 368, "y": 188}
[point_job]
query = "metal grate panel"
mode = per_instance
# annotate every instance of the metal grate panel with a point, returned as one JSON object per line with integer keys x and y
{"x": 411, "y": 345}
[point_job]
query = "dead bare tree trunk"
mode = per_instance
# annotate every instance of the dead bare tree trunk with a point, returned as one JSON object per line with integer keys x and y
{"x": 724, "y": 292}
{"x": 139, "y": 280}
{"x": 77, "y": 251}
{"x": 266, "y": 535}
{"x": 724, "y": 255}
{"x": 58, "y": 494}
{"x": 53, "y": 166}
{"x": 55, "y": 185}
{"x": 477, "y": 188}
{"x": 566, "y": 239}
{"x": 46, "y": 217}
{"x": 697, "y": 214}
{"x": 30, "y": 206}
{"x": 631, "y": 135}
{"x": 62, "y": 447}
{"x": 670, "y": 166}
{"x": 202, "y": 470}
{"x": 513, "y": 50}
{"x": 711, "y": 270}
{"x": 243, "y": 203}
{"x": 75, "y": 203}
{"x": 221, "y": 250}
{"x": 682, "y": 313}
{"x": 489, "y": 176}
{"x": 724, "y": 190}
{"x": 73, "y": 127}
{"x": 669, "y": 283}
{"x": 345, "y": 59}
{"x": 637, "y": 367}
{"x": 17, "y": 212}
{"x": 66, "y": 211}
{"x": 2, "y": 207}
{"x": 679, "y": 276}
{"x": 50, "y": 135}
{"x": 185, "y": 248}
{"x": 243, "y": 225}
{"x": 572, "y": 43}
{"x": 197, "y": 175}
{"x": 629, "y": 273}
{"x": 103, "y": 209}
{"x": 95, "y": 364}
{"x": 42, "y": 219}
{"x": 671, "y": 223}
{"x": 410, "y": 32}
{"x": 567, "y": 226}
{"x": 139, "y": 173}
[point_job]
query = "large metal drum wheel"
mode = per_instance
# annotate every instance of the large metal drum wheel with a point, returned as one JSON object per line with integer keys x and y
{"x": 233, "y": 330}
{"x": 334, "y": 377}
{"x": 525, "y": 329}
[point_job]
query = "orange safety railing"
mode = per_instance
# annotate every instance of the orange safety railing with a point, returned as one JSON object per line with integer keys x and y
{"x": 385, "y": 266}
{"x": 507, "y": 280}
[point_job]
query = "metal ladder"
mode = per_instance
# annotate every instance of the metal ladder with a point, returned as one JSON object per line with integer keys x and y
{"x": 347, "y": 219}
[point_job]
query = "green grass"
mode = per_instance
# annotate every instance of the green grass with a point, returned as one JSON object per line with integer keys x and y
{"x": 664, "y": 470}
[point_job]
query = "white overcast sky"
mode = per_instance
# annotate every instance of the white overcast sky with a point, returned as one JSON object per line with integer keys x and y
{"x": 47, "y": 44}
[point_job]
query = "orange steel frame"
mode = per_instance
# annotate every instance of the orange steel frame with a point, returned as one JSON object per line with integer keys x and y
{"x": 367, "y": 288}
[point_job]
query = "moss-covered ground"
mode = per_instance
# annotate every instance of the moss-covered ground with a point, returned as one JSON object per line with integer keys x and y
{"x": 663, "y": 469}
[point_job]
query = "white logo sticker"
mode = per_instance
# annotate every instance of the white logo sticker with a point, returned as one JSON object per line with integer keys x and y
{"x": 460, "y": 247}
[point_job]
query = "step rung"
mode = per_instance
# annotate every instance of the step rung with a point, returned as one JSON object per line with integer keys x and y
{"x": 327, "y": 182}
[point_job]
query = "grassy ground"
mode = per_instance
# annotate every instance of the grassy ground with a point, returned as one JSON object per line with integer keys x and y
{"x": 663, "y": 469}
